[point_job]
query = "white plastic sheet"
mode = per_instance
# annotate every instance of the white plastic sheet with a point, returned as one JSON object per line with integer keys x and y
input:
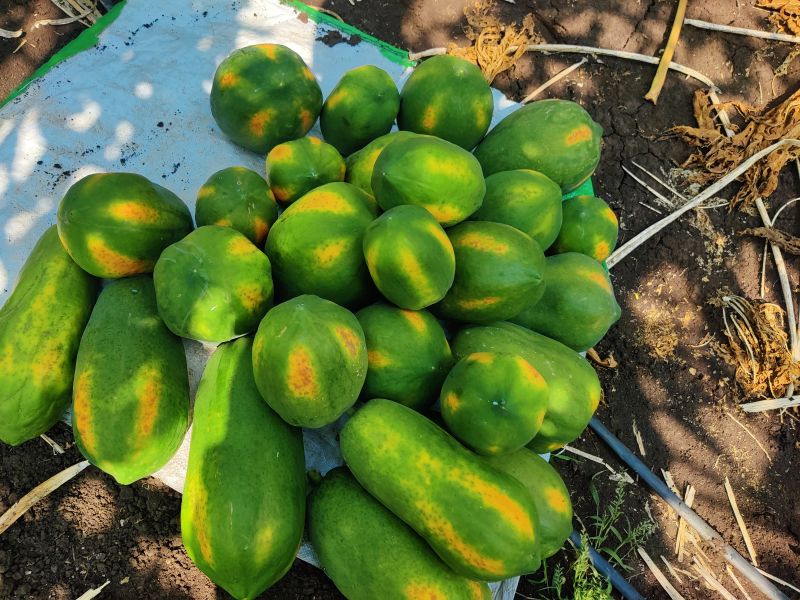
{"x": 138, "y": 102}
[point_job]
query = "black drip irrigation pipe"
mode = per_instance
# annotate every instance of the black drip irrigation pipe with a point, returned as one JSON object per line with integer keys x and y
{"x": 741, "y": 564}
{"x": 608, "y": 571}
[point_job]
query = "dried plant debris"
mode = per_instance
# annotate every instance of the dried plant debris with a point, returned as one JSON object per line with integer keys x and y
{"x": 718, "y": 154}
{"x": 491, "y": 42}
{"x": 785, "y": 15}
{"x": 784, "y": 241}
{"x": 757, "y": 346}
{"x": 659, "y": 334}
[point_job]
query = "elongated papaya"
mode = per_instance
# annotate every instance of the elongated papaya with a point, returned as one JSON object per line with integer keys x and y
{"x": 369, "y": 553}
{"x": 482, "y": 523}
{"x": 40, "y": 327}
{"x": 243, "y": 504}
{"x": 130, "y": 401}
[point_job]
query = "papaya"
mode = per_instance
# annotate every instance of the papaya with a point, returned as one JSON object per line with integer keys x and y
{"x": 213, "y": 285}
{"x": 361, "y": 107}
{"x": 264, "y": 95}
{"x": 499, "y": 271}
{"x": 239, "y": 198}
{"x": 578, "y": 305}
{"x": 130, "y": 402}
{"x": 243, "y": 504}
{"x": 309, "y": 360}
{"x": 408, "y": 355}
{"x": 555, "y": 137}
{"x": 494, "y": 402}
{"x": 589, "y": 226}
{"x": 117, "y": 224}
{"x": 525, "y": 199}
{"x": 361, "y": 164}
{"x": 482, "y": 523}
{"x": 549, "y": 494}
{"x": 299, "y": 166}
{"x": 432, "y": 173}
{"x": 448, "y": 97}
{"x": 369, "y": 553}
{"x": 409, "y": 257}
{"x": 41, "y": 324}
{"x": 573, "y": 386}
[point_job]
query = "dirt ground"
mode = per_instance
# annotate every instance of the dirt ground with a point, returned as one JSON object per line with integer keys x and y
{"x": 676, "y": 390}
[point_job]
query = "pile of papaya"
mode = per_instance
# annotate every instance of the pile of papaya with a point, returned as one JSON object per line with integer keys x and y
{"x": 427, "y": 291}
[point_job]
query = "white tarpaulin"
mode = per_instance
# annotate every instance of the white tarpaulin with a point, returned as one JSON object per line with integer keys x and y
{"x": 138, "y": 101}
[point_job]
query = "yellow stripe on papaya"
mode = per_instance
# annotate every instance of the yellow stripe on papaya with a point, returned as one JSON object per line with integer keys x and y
{"x": 478, "y": 590}
{"x": 223, "y": 222}
{"x": 301, "y": 379}
{"x": 135, "y": 212}
{"x": 601, "y": 250}
{"x": 445, "y": 214}
{"x": 553, "y": 446}
{"x": 423, "y": 591}
{"x": 555, "y": 499}
{"x": 260, "y": 229}
{"x": 7, "y": 358}
{"x": 280, "y": 153}
{"x": 415, "y": 319}
{"x": 530, "y": 373}
{"x": 323, "y": 202}
{"x": 581, "y": 133}
{"x": 482, "y": 116}
{"x": 260, "y": 121}
{"x": 442, "y": 238}
{"x": 42, "y": 304}
{"x": 228, "y": 79}
{"x": 330, "y": 252}
{"x": 610, "y": 215}
{"x": 114, "y": 263}
{"x": 251, "y": 296}
{"x": 477, "y": 303}
{"x": 595, "y": 277}
{"x": 198, "y": 509}
{"x": 82, "y": 412}
{"x": 495, "y": 498}
{"x": 484, "y": 358}
{"x": 241, "y": 246}
{"x": 282, "y": 194}
{"x": 481, "y": 242}
{"x": 594, "y": 398}
{"x": 263, "y": 545}
{"x": 269, "y": 50}
{"x": 348, "y": 340}
{"x": 206, "y": 191}
{"x": 377, "y": 360}
{"x": 437, "y": 526}
{"x": 415, "y": 273}
{"x": 48, "y": 366}
{"x": 452, "y": 402}
{"x": 444, "y": 166}
{"x": 308, "y": 74}
{"x": 429, "y": 118}
{"x": 314, "y": 141}
{"x": 306, "y": 116}
{"x": 336, "y": 97}
{"x": 148, "y": 395}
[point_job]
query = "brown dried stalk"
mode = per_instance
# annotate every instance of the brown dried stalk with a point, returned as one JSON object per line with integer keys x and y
{"x": 669, "y": 50}
{"x": 784, "y": 241}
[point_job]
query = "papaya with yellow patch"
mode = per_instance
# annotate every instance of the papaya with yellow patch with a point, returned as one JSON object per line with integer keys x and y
{"x": 494, "y": 402}
{"x": 297, "y": 167}
{"x": 130, "y": 399}
{"x": 555, "y": 137}
{"x": 481, "y": 522}
{"x": 117, "y": 224}
{"x": 448, "y": 97}
{"x": 369, "y": 553}
{"x": 361, "y": 164}
{"x": 213, "y": 285}
{"x": 408, "y": 355}
{"x": 589, "y": 227}
{"x": 41, "y": 324}
{"x": 239, "y": 198}
{"x": 243, "y": 504}
{"x": 315, "y": 246}
{"x": 574, "y": 390}
{"x": 362, "y": 107}
{"x": 525, "y": 199}
{"x": 578, "y": 306}
{"x": 549, "y": 494}
{"x": 432, "y": 173}
{"x": 409, "y": 257}
{"x": 309, "y": 360}
{"x": 263, "y": 95}
{"x": 499, "y": 270}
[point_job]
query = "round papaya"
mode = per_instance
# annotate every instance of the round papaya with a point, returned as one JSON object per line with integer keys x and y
{"x": 130, "y": 404}
{"x": 407, "y": 352}
{"x": 361, "y": 164}
{"x": 369, "y": 553}
{"x": 555, "y": 137}
{"x": 263, "y": 95}
{"x": 240, "y": 198}
{"x": 548, "y": 492}
{"x": 361, "y": 107}
{"x": 116, "y": 224}
{"x": 309, "y": 360}
{"x": 299, "y": 166}
{"x": 590, "y": 227}
{"x": 578, "y": 305}
{"x": 499, "y": 270}
{"x": 448, "y": 97}
{"x": 432, "y": 173}
{"x": 494, "y": 402}
{"x": 524, "y": 199}
{"x": 213, "y": 285}
{"x": 315, "y": 246}
{"x": 409, "y": 256}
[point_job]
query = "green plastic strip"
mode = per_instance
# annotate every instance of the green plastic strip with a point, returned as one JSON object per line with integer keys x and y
{"x": 585, "y": 189}
{"x": 393, "y": 53}
{"x": 87, "y": 38}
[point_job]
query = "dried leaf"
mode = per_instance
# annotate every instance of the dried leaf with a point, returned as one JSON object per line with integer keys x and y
{"x": 784, "y": 241}
{"x": 786, "y": 15}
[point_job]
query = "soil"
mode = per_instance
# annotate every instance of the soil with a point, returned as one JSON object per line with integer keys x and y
{"x": 675, "y": 389}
